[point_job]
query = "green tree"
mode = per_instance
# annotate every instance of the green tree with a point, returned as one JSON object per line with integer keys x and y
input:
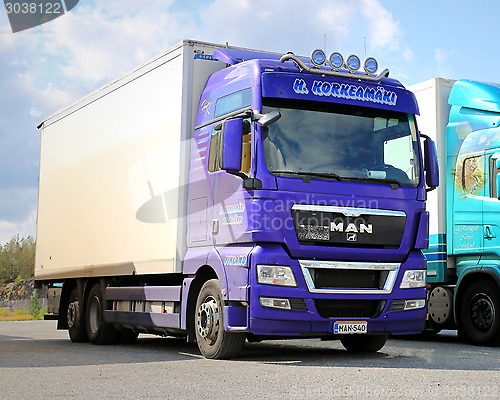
{"x": 35, "y": 309}
{"x": 17, "y": 259}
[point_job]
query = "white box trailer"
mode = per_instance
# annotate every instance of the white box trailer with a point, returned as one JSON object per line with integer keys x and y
{"x": 432, "y": 97}
{"x": 113, "y": 171}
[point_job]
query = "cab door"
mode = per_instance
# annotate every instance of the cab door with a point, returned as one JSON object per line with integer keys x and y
{"x": 231, "y": 202}
{"x": 491, "y": 206}
{"x": 468, "y": 198}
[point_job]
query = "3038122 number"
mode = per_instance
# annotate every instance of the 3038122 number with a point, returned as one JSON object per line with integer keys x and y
{"x": 34, "y": 8}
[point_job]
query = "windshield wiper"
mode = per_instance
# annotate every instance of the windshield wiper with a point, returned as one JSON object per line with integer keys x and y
{"x": 310, "y": 174}
{"x": 376, "y": 180}
{"x": 339, "y": 178}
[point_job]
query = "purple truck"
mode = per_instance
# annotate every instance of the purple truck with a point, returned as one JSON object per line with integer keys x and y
{"x": 226, "y": 194}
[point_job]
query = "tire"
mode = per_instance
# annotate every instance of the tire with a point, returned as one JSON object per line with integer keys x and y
{"x": 480, "y": 314}
{"x": 213, "y": 341}
{"x": 98, "y": 331}
{"x": 76, "y": 318}
{"x": 363, "y": 343}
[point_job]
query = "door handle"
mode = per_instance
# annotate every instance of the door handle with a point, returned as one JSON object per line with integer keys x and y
{"x": 488, "y": 232}
{"x": 215, "y": 227}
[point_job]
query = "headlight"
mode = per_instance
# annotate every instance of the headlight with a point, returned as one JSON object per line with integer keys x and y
{"x": 413, "y": 278}
{"x": 278, "y": 275}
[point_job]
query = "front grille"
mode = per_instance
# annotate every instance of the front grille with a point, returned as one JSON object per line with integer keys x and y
{"x": 325, "y": 278}
{"x": 349, "y": 308}
{"x": 348, "y": 227}
{"x": 349, "y": 277}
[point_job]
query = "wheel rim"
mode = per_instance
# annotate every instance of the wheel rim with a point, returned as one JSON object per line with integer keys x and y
{"x": 95, "y": 314}
{"x": 208, "y": 319}
{"x": 482, "y": 312}
{"x": 73, "y": 313}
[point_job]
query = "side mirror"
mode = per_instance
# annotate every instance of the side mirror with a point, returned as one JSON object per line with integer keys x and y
{"x": 431, "y": 165}
{"x": 267, "y": 119}
{"x": 232, "y": 145}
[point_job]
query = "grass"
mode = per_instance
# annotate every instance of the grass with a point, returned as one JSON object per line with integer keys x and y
{"x": 18, "y": 315}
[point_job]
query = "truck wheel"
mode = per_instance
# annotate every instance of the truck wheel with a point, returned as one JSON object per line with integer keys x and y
{"x": 97, "y": 330}
{"x": 363, "y": 343}
{"x": 75, "y": 318}
{"x": 480, "y": 313}
{"x": 213, "y": 341}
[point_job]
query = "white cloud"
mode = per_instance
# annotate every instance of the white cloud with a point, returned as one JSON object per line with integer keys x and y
{"x": 384, "y": 30}
{"x": 298, "y": 26}
{"x": 301, "y": 26}
{"x": 18, "y": 213}
{"x": 97, "y": 42}
{"x": 408, "y": 53}
{"x": 24, "y": 228}
{"x": 441, "y": 56}
{"x": 103, "y": 41}
{"x": 443, "y": 66}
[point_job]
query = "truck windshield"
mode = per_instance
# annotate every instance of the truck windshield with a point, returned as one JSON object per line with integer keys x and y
{"x": 340, "y": 142}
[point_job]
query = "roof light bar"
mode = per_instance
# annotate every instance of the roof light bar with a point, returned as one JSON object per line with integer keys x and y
{"x": 336, "y": 62}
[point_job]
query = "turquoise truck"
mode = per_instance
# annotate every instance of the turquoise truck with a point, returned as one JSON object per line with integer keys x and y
{"x": 463, "y": 258}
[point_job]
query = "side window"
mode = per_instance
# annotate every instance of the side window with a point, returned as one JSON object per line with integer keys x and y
{"x": 472, "y": 176}
{"x": 493, "y": 174}
{"x": 246, "y": 155}
{"x": 398, "y": 146}
{"x": 225, "y": 105}
{"x": 399, "y": 153}
{"x": 213, "y": 159}
{"x": 233, "y": 102}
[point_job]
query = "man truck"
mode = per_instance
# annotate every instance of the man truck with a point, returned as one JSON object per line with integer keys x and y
{"x": 226, "y": 194}
{"x": 463, "y": 259}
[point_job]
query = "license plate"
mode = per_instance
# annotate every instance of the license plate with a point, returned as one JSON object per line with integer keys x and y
{"x": 347, "y": 327}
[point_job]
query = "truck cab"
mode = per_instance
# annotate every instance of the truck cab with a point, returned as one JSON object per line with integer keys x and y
{"x": 463, "y": 257}
{"x": 308, "y": 188}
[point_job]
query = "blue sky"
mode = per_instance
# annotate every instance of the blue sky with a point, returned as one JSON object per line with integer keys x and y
{"x": 48, "y": 67}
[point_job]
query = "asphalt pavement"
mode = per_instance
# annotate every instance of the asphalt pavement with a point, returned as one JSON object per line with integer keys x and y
{"x": 37, "y": 361}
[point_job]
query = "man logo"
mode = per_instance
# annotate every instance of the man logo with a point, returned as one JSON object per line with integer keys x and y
{"x": 25, "y": 14}
{"x": 352, "y": 237}
{"x": 351, "y": 228}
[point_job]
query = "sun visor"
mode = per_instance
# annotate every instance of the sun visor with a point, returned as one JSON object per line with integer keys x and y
{"x": 476, "y": 95}
{"x": 235, "y": 56}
